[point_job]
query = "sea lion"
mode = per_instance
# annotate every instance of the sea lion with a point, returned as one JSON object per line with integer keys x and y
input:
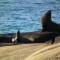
{"x": 46, "y": 37}
{"x": 38, "y": 36}
{"x": 48, "y": 24}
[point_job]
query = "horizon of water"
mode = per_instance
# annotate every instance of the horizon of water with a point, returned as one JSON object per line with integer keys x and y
{"x": 25, "y": 15}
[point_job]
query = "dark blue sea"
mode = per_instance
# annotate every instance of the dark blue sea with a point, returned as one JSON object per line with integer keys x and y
{"x": 25, "y": 15}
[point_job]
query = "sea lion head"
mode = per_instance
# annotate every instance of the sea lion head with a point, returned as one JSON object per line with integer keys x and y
{"x": 46, "y": 19}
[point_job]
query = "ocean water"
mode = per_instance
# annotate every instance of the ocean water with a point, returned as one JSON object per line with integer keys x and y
{"x": 25, "y": 15}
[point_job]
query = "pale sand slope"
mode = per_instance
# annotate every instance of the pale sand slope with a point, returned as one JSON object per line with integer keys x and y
{"x": 48, "y": 53}
{"x": 21, "y": 51}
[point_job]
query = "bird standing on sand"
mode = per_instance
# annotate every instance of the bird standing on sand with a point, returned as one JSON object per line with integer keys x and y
{"x": 18, "y": 36}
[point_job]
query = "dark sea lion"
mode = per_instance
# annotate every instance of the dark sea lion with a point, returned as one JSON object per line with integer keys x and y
{"x": 46, "y": 37}
{"x": 48, "y": 24}
{"x": 37, "y": 37}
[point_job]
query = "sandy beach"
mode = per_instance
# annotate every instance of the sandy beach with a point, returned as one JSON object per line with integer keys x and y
{"x": 25, "y": 51}
{"x": 19, "y": 52}
{"x": 48, "y": 53}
